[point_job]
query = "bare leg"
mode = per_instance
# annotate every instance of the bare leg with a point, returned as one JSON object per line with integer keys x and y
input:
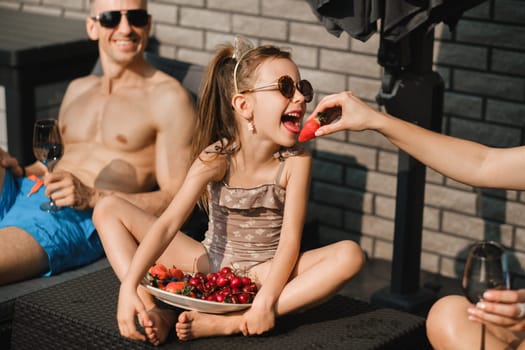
{"x": 22, "y": 257}
{"x": 121, "y": 226}
{"x": 449, "y": 328}
{"x": 336, "y": 263}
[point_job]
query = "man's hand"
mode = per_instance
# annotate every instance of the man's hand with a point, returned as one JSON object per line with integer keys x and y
{"x": 8, "y": 161}
{"x": 68, "y": 191}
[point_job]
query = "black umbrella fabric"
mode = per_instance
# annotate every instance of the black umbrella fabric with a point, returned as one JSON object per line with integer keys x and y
{"x": 359, "y": 17}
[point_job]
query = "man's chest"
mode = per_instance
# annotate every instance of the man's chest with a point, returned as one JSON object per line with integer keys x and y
{"x": 114, "y": 121}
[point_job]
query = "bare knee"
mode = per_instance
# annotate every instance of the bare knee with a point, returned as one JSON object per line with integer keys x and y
{"x": 105, "y": 209}
{"x": 349, "y": 257}
{"x": 445, "y": 320}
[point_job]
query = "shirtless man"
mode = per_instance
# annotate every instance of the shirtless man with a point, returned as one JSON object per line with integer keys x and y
{"x": 124, "y": 133}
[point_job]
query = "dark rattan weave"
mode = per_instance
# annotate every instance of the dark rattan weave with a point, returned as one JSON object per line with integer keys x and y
{"x": 80, "y": 314}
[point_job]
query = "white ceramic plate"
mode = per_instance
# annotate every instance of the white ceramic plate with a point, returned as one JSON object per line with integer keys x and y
{"x": 190, "y": 303}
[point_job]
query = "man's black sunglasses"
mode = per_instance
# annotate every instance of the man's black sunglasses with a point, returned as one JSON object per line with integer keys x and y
{"x": 111, "y": 19}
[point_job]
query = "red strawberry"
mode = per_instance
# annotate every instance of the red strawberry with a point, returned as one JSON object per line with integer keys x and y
{"x": 176, "y": 273}
{"x": 159, "y": 271}
{"x": 174, "y": 287}
{"x": 310, "y": 127}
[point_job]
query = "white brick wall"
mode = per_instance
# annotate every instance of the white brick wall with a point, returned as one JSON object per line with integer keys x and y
{"x": 482, "y": 64}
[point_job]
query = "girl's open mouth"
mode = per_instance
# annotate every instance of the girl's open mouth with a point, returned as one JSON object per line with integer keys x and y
{"x": 292, "y": 122}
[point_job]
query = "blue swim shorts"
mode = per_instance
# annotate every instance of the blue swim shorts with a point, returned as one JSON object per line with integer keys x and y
{"x": 68, "y": 236}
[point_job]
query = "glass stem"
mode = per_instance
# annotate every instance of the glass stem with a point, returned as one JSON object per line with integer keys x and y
{"x": 482, "y": 346}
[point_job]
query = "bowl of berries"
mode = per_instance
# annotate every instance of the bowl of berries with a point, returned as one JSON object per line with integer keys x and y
{"x": 216, "y": 292}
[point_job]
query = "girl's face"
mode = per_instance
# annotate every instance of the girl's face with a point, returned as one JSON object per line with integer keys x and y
{"x": 274, "y": 115}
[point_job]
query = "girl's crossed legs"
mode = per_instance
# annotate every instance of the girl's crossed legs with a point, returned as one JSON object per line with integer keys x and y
{"x": 317, "y": 276}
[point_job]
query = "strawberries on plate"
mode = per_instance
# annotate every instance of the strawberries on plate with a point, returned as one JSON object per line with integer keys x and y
{"x": 224, "y": 286}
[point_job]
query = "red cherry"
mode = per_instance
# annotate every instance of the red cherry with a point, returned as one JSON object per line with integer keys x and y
{"x": 246, "y": 281}
{"x": 194, "y": 282}
{"x": 244, "y": 298}
{"x": 221, "y": 281}
{"x": 208, "y": 286}
{"x": 235, "y": 282}
{"x": 225, "y": 270}
{"x": 212, "y": 276}
{"x": 200, "y": 276}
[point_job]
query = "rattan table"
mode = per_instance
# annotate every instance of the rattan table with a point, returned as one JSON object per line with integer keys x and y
{"x": 80, "y": 314}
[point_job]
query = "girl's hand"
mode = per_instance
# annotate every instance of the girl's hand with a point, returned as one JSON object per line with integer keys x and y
{"x": 129, "y": 305}
{"x": 257, "y": 321}
{"x": 500, "y": 308}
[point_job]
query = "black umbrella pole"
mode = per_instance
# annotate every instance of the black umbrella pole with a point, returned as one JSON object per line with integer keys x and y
{"x": 416, "y": 95}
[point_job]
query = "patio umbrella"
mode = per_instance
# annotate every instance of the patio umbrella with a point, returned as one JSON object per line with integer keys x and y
{"x": 409, "y": 90}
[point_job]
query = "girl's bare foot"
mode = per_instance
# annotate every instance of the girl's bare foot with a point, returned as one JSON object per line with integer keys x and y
{"x": 163, "y": 321}
{"x": 193, "y": 324}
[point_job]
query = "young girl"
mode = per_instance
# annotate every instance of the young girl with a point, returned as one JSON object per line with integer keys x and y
{"x": 256, "y": 181}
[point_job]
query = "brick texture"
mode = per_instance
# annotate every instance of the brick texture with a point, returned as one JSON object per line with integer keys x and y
{"x": 482, "y": 64}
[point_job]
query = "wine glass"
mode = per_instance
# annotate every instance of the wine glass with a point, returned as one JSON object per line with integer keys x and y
{"x": 48, "y": 149}
{"x": 486, "y": 268}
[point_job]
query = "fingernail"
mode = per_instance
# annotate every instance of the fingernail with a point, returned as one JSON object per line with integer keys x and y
{"x": 481, "y": 305}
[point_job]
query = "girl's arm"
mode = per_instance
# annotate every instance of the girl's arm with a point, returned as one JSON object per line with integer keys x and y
{"x": 297, "y": 174}
{"x": 169, "y": 223}
{"x": 157, "y": 239}
{"x": 464, "y": 161}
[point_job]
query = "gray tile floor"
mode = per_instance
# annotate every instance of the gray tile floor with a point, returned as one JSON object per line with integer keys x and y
{"x": 375, "y": 276}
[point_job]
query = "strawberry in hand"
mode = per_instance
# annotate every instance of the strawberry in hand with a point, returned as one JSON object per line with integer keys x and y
{"x": 310, "y": 127}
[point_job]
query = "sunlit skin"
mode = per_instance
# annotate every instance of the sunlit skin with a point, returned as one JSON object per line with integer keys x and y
{"x": 452, "y": 323}
{"x": 289, "y": 280}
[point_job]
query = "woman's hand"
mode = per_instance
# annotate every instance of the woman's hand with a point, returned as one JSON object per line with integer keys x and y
{"x": 67, "y": 190}
{"x": 356, "y": 115}
{"x": 500, "y": 308}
